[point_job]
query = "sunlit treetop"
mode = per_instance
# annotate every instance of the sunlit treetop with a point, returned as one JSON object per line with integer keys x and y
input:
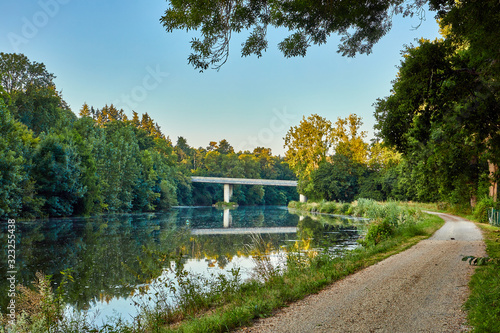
{"x": 360, "y": 24}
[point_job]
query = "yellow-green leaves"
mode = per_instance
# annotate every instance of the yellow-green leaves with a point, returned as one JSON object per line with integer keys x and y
{"x": 315, "y": 139}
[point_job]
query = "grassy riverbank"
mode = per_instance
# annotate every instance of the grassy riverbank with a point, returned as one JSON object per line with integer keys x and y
{"x": 310, "y": 274}
{"x": 229, "y": 303}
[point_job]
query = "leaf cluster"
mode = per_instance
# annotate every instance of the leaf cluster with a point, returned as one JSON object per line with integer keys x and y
{"x": 359, "y": 23}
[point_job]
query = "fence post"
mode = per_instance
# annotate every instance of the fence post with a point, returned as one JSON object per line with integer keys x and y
{"x": 493, "y": 217}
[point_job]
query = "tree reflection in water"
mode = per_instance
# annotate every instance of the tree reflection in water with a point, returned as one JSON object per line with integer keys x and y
{"x": 111, "y": 256}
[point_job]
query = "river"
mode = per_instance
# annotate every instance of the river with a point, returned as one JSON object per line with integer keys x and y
{"x": 110, "y": 256}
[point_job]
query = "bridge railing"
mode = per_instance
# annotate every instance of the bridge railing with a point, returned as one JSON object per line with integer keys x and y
{"x": 494, "y": 217}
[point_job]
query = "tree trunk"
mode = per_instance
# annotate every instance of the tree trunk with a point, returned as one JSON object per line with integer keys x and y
{"x": 494, "y": 183}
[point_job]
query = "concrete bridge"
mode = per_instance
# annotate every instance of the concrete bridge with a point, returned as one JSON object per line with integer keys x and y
{"x": 230, "y": 182}
{"x": 244, "y": 231}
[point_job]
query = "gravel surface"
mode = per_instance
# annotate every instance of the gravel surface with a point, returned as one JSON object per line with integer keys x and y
{"x": 419, "y": 290}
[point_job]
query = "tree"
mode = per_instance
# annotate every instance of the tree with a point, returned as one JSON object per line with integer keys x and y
{"x": 16, "y": 186}
{"x": 118, "y": 157}
{"x": 443, "y": 114}
{"x": 380, "y": 181}
{"x": 85, "y": 111}
{"x": 308, "y": 144}
{"x": 33, "y": 98}
{"x": 87, "y": 138}
{"x": 337, "y": 180}
{"x": 224, "y": 147}
{"x": 360, "y": 23}
{"x": 57, "y": 173}
{"x": 348, "y": 139}
{"x": 18, "y": 73}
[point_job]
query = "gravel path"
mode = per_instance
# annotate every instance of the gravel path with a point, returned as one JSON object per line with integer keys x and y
{"x": 419, "y": 290}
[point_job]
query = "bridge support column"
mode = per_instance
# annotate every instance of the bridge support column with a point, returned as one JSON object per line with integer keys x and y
{"x": 227, "y": 218}
{"x": 302, "y": 198}
{"x": 228, "y": 192}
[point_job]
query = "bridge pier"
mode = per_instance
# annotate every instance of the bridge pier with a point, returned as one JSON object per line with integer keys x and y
{"x": 227, "y": 218}
{"x": 228, "y": 192}
{"x": 302, "y": 198}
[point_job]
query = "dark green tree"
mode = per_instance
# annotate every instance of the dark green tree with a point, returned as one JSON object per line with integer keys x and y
{"x": 337, "y": 180}
{"x": 18, "y": 73}
{"x": 33, "y": 97}
{"x": 57, "y": 173}
{"x": 17, "y": 145}
{"x": 444, "y": 115}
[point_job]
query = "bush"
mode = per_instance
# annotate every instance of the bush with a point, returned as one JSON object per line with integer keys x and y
{"x": 482, "y": 207}
{"x": 344, "y": 208}
{"x": 328, "y": 208}
{"x": 378, "y": 230}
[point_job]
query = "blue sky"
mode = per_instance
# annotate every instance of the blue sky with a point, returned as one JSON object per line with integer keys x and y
{"x": 105, "y": 52}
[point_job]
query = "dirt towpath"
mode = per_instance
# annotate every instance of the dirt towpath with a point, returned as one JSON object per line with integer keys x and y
{"x": 419, "y": 290}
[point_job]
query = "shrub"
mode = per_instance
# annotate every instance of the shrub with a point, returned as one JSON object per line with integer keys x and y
{"x": 328, "y": 207}
{"x": 344, "y": 208}
{"x": 378, "y": 230}
{"x": 482, "y": 207}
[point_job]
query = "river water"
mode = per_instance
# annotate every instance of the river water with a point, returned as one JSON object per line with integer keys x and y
{"x": 110, "y": 256}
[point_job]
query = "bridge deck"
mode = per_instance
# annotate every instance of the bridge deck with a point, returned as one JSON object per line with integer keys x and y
{"x": 244, "y": 231}
{"x": 244, "y": 181}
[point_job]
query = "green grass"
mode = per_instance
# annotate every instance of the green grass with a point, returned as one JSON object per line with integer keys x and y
{"x": 483, "y": 305}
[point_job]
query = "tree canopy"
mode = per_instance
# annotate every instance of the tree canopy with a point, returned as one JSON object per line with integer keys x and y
{"x": 361, "y": 24}
{"x": 443, "y": 112}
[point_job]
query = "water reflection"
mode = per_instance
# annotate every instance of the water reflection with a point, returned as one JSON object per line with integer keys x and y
{"x": 228, "y": 218}
{"x": 102, "y": 250}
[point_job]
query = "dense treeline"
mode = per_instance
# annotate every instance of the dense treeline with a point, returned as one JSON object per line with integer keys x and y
{"x": 442, "y": 113}
{"x": 334, "y": 163}
{"x": 220, "y": 160}
{"x": 54, "y": 163}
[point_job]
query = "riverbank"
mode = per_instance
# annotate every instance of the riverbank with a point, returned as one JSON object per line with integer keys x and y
{"x": 418, "y": 290}
{"x": 306, "y": 276}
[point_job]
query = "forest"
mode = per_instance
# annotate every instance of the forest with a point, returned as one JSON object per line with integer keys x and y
{"x": 55, "y": 163}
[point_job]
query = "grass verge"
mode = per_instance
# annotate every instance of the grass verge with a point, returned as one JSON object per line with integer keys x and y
{"x": 483, "y": 305}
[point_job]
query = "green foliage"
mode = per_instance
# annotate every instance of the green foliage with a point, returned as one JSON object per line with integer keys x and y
{"x": 57, "y": 173}
{"x": 104, "y": 162}
{"x": 16, "y": 148}
{"x": 481, "y": 210}
{"x": 335, "y": 181}
{"x": 359, "y": 24}
{"x": 478, "y": 261}
{"x": 378, "y": 231}
{"x": 443, "y": 111}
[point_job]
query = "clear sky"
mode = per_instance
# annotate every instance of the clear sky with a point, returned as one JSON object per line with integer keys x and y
{"x": 112, "y": 51}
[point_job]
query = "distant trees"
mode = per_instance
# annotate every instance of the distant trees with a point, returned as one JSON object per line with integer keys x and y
{"x": 55, "y": 164}
{"x": 220, "y": 160}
